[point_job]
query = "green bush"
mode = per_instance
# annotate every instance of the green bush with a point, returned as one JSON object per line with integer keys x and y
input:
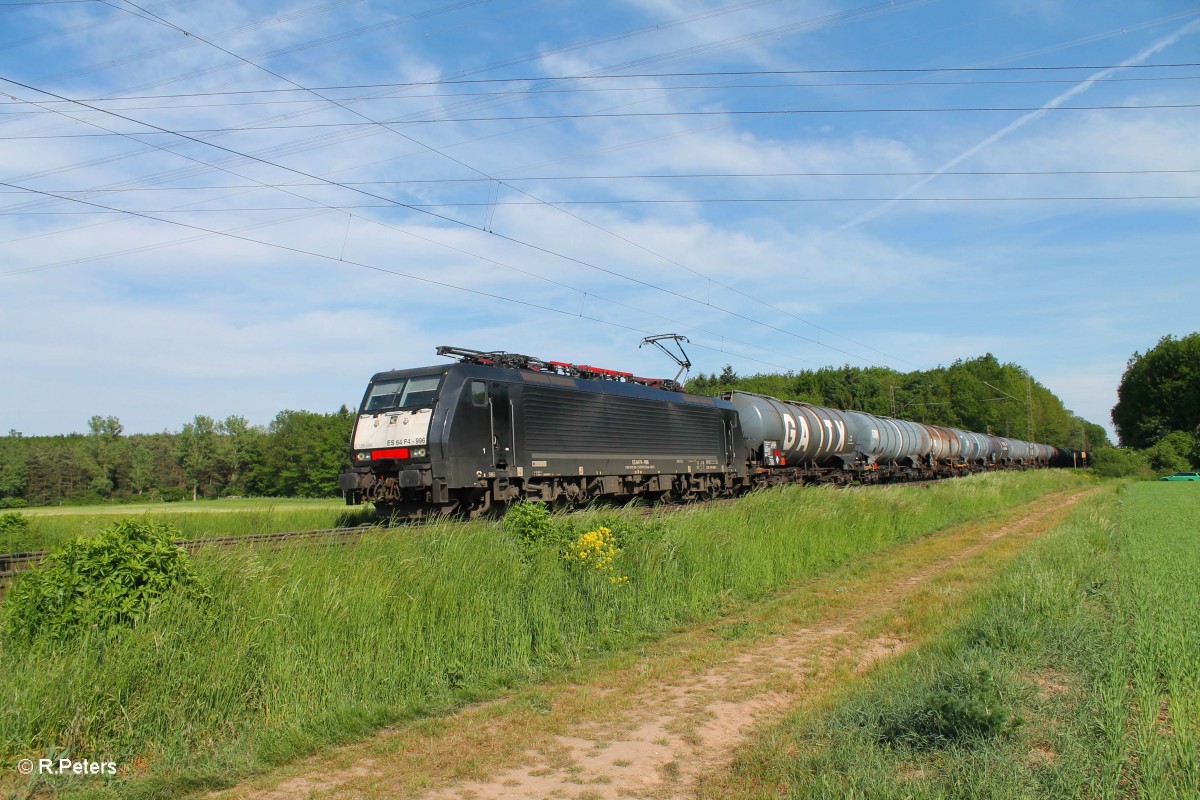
{"x": 964, "y": 705}
{"x": 1172, "y": 453}
{"x": 532, "y": 525}
{"x": 15, "y": 536}
{"x": 1120, "y": 462}
{"x": 13, "y": 502}
{"x": 173, "y": 494}
{"x": 98, "y": 584}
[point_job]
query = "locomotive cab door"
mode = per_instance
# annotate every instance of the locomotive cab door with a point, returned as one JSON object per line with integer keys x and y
{"x": 501, "y": 406}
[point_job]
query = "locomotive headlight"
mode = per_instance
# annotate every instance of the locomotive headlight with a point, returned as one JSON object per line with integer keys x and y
{"x": 419, "y": 452}
{"x": 362, "y": 455}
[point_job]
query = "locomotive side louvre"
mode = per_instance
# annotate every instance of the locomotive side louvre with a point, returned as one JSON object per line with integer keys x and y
{"x": 566, "y": 432}
{"x": 569, "y": 422}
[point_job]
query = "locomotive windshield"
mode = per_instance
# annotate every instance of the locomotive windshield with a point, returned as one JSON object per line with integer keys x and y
{"x": 402, "y": 393}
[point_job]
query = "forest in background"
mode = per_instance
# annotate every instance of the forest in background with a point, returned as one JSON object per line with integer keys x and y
{"x": 299, "y": 454}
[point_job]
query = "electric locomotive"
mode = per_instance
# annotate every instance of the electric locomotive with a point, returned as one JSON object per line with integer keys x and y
{"x": 499, "y": 427}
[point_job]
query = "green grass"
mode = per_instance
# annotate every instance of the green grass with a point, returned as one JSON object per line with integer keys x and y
{"x": 49, "y": 527}
{"x": 1154, "y": 672}
{"x": 313, "y": 645}
{"x": 1075, "y": 674}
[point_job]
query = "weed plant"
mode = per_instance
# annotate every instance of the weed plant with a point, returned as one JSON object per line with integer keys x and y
{"x": 318, "y": 644}
{"x": 16, "y": 534}
{"x": 964, "y": 705}
{"x": 93, "y": 587}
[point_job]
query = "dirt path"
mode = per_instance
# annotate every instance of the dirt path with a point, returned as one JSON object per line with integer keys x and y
{"x": 628, "y": 736}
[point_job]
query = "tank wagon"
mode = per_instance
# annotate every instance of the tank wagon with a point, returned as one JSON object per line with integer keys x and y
{"x": 497, "y": 427}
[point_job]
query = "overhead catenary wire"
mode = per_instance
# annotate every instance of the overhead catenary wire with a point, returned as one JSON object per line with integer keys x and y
{"x": 374, "y": 27}
{"x": 835, "y": 18}
{"x": 206, "y": 232}
{"x": 738, "y": 292}
{"x": 541, "y": 53}
{"x": 502, "y": 236}
{"x": 571, "y": 90}
{"x": 642, "y": 75}
{"x": 146, "y": 215}
{"x": 772, "y": 112}
{"x": 1053, "y": 103}
{"x": 92, "y": 24}
{"x": 687, "y": 201}
{"x": 649, "y": 176}
{"x": 820, "y": 21}
{"x": 829, "y": 19}
{"x": 877, "y": 8}
{"x": 510, "y": 239}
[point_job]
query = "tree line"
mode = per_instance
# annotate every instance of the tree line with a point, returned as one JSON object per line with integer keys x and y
{"x": 980, "y": 394}
{"x": 1157, "y": 414}
{"x": 299, "y": 454}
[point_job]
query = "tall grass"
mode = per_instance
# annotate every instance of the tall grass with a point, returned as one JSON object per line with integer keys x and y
{"x": 319, "y": 644}
{"x": 1075, "y": 674}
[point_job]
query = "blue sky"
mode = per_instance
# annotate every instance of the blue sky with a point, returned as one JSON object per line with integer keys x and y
{"x": 204, "y": 212}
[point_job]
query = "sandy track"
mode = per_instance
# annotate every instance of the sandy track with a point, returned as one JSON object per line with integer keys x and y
{"x": 662, "y": 736}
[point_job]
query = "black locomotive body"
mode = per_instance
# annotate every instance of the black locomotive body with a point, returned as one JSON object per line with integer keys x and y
{"x": 471, "y": 435}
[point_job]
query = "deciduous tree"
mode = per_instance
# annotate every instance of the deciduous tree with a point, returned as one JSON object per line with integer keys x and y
{"x": 1159, "y": 392}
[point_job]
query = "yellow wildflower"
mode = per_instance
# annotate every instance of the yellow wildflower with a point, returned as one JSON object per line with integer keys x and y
{"x": 598, "y": 549}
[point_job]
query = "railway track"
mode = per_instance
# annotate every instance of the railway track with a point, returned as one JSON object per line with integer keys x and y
{"x": 12, "y": 563}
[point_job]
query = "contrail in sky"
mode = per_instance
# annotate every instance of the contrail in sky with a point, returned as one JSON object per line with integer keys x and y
{"x": 1023, "y": 120}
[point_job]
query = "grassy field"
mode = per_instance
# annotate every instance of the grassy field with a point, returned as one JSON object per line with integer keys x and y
{"x": 305, "y": 647}
{"x": 1075, "y": 674}
{"x": 205, "y": 518}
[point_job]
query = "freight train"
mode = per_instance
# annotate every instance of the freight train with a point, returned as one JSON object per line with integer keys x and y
{"x": 493, "y": 428}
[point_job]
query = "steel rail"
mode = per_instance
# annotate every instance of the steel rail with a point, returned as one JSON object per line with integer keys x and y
{"x": 12, "y": 563}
